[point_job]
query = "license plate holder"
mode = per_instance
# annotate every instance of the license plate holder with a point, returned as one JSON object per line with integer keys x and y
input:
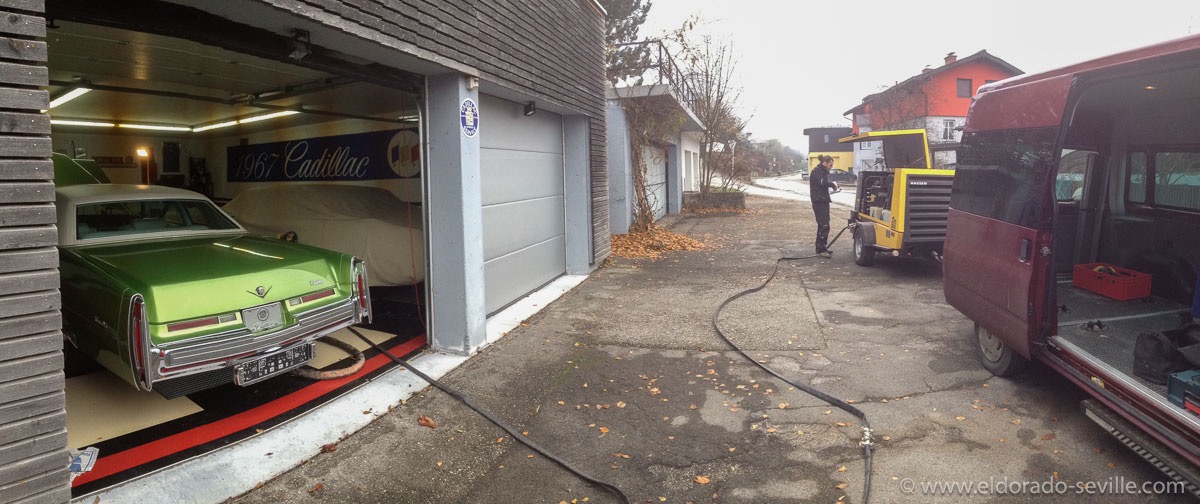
{"x": 263, "y": 317}
{"x": 272, "y": 364}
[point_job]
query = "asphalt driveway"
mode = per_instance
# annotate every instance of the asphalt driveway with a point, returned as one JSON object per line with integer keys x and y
{"x": 625, "y": 378}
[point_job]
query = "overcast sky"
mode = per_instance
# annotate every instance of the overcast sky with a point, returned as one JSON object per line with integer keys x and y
{"x": 802, "y": 64}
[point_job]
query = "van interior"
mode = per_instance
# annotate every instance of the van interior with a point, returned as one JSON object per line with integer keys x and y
{"x": 1128, "y": 197}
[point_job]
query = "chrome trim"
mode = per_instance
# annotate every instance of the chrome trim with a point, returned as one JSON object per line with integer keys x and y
{"x": 148, "y": 353}
{"x": 231, "y": 347}
{"x": 1161, "y": 402}
{"x": 359, "y": 266}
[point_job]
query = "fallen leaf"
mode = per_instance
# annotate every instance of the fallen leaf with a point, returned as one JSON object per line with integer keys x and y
{"x": 329, "y": 448}
{"x": 500, "y": 439}
{"x": 439, "y": 463}
{"x": 604, "y": 430}
{"x": 841, "y": 469}
{"x": 316, "y": 488}
{"x": 692, "y": 407}
{"x": 1016, "y": 421}
{"x": 425, "y": 421}
{"x": 783, "y": 405}
{"x": 1048, "y": 436}
{"x": 703, "y": 480}
{"x": 960, "y": 418}
{"x": 841, "y": 486}
{"x": 620, "y": 404}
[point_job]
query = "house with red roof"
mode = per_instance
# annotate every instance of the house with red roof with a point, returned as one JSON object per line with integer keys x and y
{"x": 937, "y": 100}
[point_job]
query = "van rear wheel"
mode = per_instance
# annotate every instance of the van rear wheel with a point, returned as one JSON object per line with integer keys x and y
{"x": 995, "y": 355}
{"x": 863, "y": 254}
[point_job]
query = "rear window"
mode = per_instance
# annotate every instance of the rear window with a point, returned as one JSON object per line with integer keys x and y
{"x": 1001, "y": 174}
{"x": 1164, "y": 177}
{"x": 115, "y": 218}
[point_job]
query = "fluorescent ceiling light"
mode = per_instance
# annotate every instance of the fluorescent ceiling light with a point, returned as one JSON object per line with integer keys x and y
{"x": 214, "y": 126}
{"x": 64, "y": 122}
{"x": 268, "y": 116}
{"x": 153, "y": 127}
{"x": 70, "y": 95}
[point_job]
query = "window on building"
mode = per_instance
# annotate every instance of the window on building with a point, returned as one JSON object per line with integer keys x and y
{"x": 948, "y": 126}
{"x": 964, "y": 88}
{"x": 827, "y": 138}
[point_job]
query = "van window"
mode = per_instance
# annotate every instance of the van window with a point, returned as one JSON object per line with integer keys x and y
{"x": 1001, "y": 174}
{"x": 1175, "y": 173}
{"x": 1072, "y": 174}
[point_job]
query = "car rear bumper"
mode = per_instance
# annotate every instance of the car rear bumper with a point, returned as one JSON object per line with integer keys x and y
{"x": 227, "y": 350}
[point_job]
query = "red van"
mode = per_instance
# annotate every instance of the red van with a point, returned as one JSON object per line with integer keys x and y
{"x": 1074, "y": 231}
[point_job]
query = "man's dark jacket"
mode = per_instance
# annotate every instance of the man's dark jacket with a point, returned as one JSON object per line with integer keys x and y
{"x": 819, "y": 184}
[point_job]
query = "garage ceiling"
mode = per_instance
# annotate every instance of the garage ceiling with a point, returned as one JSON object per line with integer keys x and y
{"x": 157, "y": 80}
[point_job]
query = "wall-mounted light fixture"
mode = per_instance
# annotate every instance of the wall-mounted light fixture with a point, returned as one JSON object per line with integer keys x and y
{"x": 153, "y": 127}
{"x": 530, "y": 109}
{"x": 94, "y": 124}
{"x": 264, "y": 117}
{"x": 68, "y": 95}
{"x": 142, "y": 152}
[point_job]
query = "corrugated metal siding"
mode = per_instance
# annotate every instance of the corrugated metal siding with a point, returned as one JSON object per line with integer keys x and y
{"x": 33, "y": 434}
{"x": 553, "y": 49}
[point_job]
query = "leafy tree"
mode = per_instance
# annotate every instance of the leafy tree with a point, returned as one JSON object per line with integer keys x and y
{"x": 624, "y": 19}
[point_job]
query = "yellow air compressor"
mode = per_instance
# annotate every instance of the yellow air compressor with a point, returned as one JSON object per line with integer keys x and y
{"x": 901, "y": 204}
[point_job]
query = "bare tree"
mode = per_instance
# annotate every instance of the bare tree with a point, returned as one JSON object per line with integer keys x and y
{"x": 711, "y": 68}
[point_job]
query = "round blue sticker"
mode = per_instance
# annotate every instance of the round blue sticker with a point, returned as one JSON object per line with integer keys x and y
{"x": 468, "y": 116}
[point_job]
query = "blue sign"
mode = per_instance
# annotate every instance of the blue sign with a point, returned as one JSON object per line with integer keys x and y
{"x": 468, "y": 116}
{"x": 374, "y": 155}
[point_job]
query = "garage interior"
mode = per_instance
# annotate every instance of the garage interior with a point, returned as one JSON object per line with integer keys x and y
{"x": 172, "y": 111}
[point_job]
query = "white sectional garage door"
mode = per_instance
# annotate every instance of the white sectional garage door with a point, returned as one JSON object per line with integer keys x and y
{"x": 524, "y": 237}
{"x": 656, "y": 180}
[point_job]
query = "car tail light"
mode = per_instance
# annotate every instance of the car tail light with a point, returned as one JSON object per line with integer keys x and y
{"x": 362, "y": 289}
{"x": 139, "y": 340}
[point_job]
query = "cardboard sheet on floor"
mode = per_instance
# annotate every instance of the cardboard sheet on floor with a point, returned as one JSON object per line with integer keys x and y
{"x": 328, "y": 354}
{"x": 99, "y": 407}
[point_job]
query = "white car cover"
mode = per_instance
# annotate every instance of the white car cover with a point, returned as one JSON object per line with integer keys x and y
{"x": 369, "y": 222}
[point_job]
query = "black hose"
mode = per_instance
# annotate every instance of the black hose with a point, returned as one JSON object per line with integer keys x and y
{"x": 866, "y": 442}
{"x": 511, "y": 431}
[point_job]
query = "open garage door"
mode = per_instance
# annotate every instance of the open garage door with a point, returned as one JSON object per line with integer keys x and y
{"x": 524, "y": 242}
{"x": 656, "y": 180}
{"x": 148, "y": 108}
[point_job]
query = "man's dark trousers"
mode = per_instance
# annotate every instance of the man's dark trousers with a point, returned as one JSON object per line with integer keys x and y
{"x": 821, "y": 211}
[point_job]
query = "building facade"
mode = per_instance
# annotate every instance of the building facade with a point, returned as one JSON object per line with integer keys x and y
{"x": 937, "y": 100}
{"x": 498, "y": 109}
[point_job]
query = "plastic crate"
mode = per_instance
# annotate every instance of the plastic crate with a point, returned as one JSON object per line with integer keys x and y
{"x": 1124, "y": 284}
{"x": 1183, "y": 389}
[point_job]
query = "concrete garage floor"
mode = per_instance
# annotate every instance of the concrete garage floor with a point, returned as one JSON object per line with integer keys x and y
{"x": 624, "y": 378}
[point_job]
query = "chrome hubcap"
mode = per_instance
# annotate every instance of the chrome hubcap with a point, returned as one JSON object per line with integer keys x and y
{"x": 991, "y": 346}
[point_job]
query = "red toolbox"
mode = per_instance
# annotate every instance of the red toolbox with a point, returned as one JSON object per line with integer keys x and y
{"x": 1111, "y": 281}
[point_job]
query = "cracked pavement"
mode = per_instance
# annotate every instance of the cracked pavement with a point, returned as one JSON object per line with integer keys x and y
{"x": 625, "y": 378}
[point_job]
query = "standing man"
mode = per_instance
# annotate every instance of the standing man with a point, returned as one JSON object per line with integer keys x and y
{"x": 819, "y": 187}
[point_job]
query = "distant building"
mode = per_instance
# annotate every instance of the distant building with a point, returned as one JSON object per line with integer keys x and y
{"x": 824, "y": 140}
{"x": 937, "y": 99}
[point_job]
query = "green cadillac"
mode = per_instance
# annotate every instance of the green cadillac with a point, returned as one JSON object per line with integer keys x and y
{"x": 171, "y": 294}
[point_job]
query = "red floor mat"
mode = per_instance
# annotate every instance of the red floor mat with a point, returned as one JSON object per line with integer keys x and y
{"x": 230, "y": 414}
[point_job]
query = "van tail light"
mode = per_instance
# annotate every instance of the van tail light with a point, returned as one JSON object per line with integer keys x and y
{"x": 362, "y": 290}
{"x": 139, "y": 341}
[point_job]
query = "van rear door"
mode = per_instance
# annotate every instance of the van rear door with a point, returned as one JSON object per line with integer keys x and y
{"x": 998, "y": 237}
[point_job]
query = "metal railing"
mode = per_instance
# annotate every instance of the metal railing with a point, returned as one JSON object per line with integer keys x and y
{"x": 656, "y": 68}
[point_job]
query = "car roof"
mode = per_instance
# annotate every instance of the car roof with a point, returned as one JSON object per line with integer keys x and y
{"x": 99, "y": 193}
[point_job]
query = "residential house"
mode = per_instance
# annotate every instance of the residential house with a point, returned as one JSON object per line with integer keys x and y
{"x": 937, "y": 99}
{"x": 824, "y": 141}
{"x": 670, "y": 166}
